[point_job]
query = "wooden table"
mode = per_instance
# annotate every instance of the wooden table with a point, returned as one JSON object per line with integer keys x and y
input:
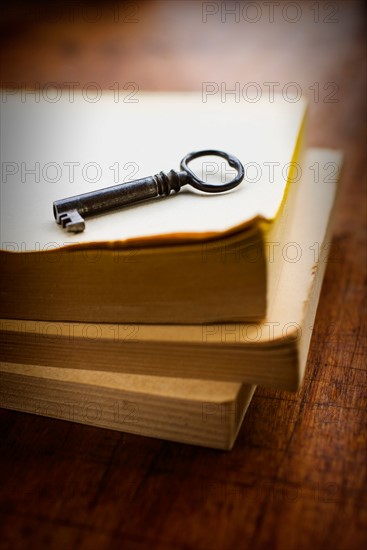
{"x": 296, "y": 476}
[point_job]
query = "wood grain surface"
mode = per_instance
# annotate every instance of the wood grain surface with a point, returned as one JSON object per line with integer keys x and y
{"x": 296, "y": 477}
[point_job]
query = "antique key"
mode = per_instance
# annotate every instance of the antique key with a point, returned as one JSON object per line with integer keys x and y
{"x": 70, "y": 212}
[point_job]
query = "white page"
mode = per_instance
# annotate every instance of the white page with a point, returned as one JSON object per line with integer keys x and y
{"x": 68, "y": 144}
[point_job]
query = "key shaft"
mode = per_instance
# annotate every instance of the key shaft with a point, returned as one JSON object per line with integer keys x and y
{"x": 70, "y": 212}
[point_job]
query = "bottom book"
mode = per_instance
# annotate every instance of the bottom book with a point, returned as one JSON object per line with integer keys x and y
{"x": 197, "y": 412}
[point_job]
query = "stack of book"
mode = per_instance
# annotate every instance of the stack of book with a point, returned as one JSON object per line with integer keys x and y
{"x": 160, "y": 318}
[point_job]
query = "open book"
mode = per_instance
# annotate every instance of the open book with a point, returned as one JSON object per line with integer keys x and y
{"x": 190, "y": 258}
{"x": 272, "y": 352}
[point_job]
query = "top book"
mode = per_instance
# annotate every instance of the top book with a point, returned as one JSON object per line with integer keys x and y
{"x": 187, "y": 259}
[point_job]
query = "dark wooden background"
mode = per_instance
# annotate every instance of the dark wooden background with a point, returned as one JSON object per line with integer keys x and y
{"x": 296, "y": 477}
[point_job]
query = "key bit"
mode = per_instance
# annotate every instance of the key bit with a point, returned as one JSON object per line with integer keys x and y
{"x": 70, "y": 212}
{"x": 71, "y": 221}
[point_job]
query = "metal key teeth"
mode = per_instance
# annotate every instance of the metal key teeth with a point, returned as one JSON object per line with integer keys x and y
{"x": 72, "y": 221}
